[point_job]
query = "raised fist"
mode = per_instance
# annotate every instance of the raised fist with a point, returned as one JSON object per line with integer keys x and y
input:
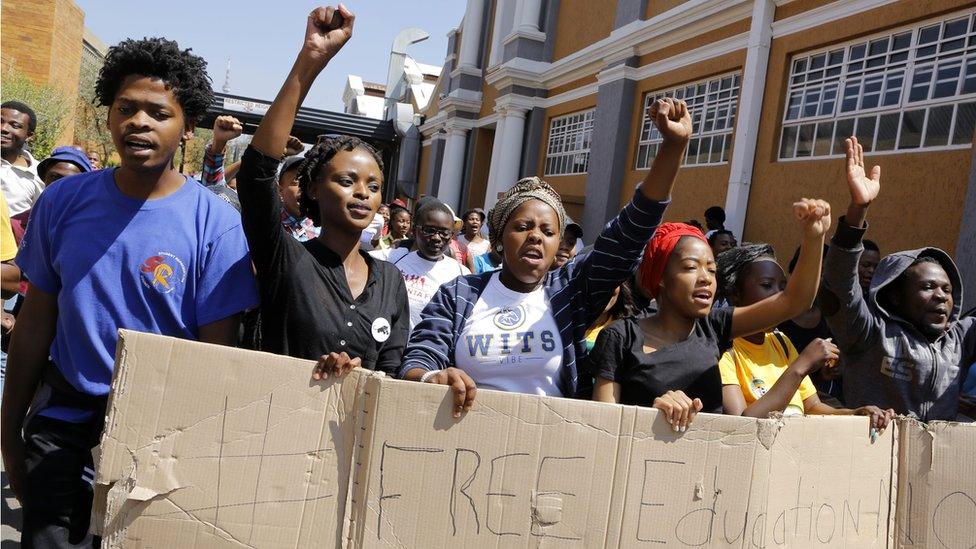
{"x": 226, "y": 128}
{"x": 328, "y": 29}
{"x": 672, "y": 118}
{"x": 813, "y": 215}
{"x": 293, "y": 146}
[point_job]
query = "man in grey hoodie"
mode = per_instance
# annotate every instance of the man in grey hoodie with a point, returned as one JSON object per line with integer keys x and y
{"x": 904, "y": 345}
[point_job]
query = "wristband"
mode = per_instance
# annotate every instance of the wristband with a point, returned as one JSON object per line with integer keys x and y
{"x": 427, "y": 375}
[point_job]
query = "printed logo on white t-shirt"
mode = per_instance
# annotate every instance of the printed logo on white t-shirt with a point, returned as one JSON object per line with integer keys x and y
{"x": 381, "y": 329}
{"x": 510, "y": 318}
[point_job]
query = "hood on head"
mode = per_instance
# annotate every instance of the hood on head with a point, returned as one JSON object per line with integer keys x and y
{"x": 892, "y": 266}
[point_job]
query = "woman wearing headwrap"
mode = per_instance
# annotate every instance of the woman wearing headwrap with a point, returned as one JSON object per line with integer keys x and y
{"x": 670, "y": 360}
{"x": 521, "y": 329}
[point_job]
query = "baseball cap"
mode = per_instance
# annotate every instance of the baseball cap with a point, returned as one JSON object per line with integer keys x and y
{"x": 65, "y": 154}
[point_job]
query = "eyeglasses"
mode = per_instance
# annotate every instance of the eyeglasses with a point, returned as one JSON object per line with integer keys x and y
{"x": 429, "y": 232}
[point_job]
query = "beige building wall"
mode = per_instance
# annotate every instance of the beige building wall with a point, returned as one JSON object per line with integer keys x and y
{"x": 43, "y": 39}
{"x": 922, "y": 192}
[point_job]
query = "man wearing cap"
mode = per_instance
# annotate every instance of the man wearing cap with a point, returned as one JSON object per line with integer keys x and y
{"x": 569, "y": 245}
{"x": 292, "y": 220}
{"x": 63, "y": 162}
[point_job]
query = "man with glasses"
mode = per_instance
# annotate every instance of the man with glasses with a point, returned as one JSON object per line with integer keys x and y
{"x": 426, "y": 268}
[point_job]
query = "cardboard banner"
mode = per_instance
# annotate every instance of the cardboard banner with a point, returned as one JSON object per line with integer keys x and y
{"x": 936, "y": 500}
{"x": 209, "y": 446}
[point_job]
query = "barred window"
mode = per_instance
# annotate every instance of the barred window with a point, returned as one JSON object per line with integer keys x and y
{"x": 907, "y": 90}
{"x": 713, "y": 105}
{"x": 569, "y": 144}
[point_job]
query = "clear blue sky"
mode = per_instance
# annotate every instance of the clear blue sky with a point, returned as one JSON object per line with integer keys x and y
{"x": 262, "y": 37}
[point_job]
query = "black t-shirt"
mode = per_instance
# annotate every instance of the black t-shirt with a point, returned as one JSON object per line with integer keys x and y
{"x": 690, "y": 365}
{"x": 307, "y": 309}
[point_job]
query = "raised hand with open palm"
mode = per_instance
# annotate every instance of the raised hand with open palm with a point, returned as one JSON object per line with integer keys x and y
{"x": 863, "y": 189}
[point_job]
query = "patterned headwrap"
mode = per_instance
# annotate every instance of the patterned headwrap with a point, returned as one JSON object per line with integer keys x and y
{"x": 526, "y": 189}
{"x": 657, "y": 251}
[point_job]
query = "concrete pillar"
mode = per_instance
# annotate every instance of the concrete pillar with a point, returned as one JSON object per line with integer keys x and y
{"x": 496, "y": 152}
{"x": 452, "y": 168}
{"x": 527, "y": 16}
{"x": 629, "y": 11}
{"x": 966, "y": 245}
{"x": 534, "y": 132}
{"x": 611, "y": 142}
{"x": 499, "y": 30}
{"x": 471, "y": 34}
{"x": 750, "y": 111}
{"x": 509, "y": 151}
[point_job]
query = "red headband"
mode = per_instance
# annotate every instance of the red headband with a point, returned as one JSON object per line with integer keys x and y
{"x": 658, "y": 250}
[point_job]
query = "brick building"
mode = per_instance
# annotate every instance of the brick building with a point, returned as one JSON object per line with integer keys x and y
{"x": 43, "y": 40}
{"x": 558, "y": 88}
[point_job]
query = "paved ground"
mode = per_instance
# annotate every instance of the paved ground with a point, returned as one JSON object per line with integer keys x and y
{"x": 10, "y": 515}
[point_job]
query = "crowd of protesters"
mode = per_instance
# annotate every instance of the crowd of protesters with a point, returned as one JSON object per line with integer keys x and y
{"x": 292, "y": 251}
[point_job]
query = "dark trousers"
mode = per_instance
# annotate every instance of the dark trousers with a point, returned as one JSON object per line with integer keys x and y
{"x": 60, "y": 476}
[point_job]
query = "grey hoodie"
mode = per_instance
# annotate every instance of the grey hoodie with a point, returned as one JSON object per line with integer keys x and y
{"x": 887, "y": 361}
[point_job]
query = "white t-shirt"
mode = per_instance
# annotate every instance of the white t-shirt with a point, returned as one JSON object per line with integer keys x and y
{"x": 511, "y": 342}
{"x": 375, "y": 227}
{"x": 421, "y": 276}
{"x": 22, "y": 186}
{"x": 473, "y": 249}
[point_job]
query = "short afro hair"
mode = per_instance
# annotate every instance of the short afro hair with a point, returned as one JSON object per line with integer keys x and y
{"x": 180, "y": 70}
{"x": 870, "y": 245}
{"x": 715, "y": 234}
{"x": 316, "y": 159}
{"x": 715, "y": 213}
{"x": 431, "y": 205}
{"x": 732, "y": 263}
{"x": 22, "y": 107}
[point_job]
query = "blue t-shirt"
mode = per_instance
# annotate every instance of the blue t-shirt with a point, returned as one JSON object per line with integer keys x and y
{"x": 165, "y": 266}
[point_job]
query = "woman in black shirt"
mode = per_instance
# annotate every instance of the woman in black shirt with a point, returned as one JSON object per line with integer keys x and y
{"x": 322, "y": 299}
{"x": 670, "y": 360}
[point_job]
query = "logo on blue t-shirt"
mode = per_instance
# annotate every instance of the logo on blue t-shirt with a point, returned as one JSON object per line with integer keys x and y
{"x": 510, "y": 318}
{"x": 163, "y": 272}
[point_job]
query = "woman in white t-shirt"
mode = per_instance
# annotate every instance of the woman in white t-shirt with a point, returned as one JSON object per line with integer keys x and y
{"x": 522, "y": 328}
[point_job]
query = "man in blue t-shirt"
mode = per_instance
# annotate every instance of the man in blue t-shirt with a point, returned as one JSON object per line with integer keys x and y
{"x": 139, "y": 247}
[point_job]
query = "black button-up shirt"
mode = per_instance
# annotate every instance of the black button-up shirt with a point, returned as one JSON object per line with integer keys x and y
{"x": 307, "y": 309}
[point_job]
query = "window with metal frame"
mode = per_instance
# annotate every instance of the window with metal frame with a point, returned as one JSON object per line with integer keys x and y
{"x": 906, "y": 90}
{"x": 568, "y": 151}
{"x": 713, "y": 104}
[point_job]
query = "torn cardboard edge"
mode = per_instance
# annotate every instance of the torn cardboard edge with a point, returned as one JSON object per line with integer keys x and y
{"x": 543, "y": 507}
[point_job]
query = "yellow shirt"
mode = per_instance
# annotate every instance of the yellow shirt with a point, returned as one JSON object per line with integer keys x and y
{"x": 8, "y": 249}
{"x": 755, "y": 368}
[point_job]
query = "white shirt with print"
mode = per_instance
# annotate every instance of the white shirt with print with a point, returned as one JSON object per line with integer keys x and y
{"x": 511, "y": 342}
{"x": 422, "y": 277}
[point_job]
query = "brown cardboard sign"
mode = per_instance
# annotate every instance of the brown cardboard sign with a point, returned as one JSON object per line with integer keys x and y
{"x": 936, "y": 500}
{"x": 208, "y": 446}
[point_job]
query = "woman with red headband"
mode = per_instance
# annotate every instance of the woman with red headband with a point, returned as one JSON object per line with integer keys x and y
{"x": 670, "y": 359}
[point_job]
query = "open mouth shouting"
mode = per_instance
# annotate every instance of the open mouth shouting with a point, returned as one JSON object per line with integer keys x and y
{"x": 138, "y": 146}
{"x": 702, "y": 297}
{"x": 532, "y": 256}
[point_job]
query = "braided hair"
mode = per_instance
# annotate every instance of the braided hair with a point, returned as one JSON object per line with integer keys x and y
{"x": 732, "y": 262}
{"x": 315, "y": 161}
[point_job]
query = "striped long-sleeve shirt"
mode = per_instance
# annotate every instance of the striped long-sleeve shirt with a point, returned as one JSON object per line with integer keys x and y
{"x": 578, "y": 293}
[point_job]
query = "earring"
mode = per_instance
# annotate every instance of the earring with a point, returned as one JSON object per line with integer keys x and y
{"x": 498, "y": 248}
